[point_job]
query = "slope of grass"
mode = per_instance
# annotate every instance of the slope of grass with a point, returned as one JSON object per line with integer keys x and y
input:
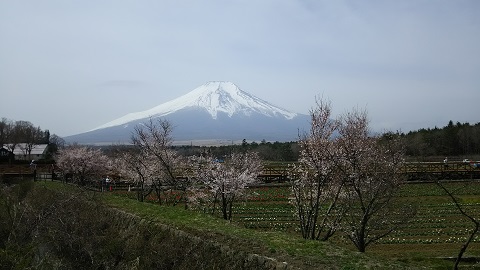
{"x": 280, "y": 245}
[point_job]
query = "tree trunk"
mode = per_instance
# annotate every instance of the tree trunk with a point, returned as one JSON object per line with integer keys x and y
{"x": 465, "y": 246}
{"x": 361, "y": 244}
{"x": 224, "y": 207}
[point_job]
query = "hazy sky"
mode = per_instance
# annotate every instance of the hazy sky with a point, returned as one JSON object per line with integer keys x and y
{"x": 71, "y": 66}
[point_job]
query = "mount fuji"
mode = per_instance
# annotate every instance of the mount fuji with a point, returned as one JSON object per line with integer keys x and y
{"x": 215, "y": 111}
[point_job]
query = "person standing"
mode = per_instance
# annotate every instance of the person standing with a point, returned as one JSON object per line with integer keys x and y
{"x": 33, "y": 167}
{"x": 107, "y": 182}
{"x": 52, "y": 170}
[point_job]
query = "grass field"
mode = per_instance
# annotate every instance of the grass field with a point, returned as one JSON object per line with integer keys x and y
{"x": 435, "y": 234}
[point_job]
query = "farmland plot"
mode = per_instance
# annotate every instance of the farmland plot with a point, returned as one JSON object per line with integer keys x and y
{"x": 438, "y": 229}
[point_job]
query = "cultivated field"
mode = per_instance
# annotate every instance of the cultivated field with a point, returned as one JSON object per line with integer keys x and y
{"x": 437, "y": 231}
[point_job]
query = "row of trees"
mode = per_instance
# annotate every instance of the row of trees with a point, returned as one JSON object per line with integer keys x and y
{"x": 12, "y": 132}
{"x": 155, "y": 168}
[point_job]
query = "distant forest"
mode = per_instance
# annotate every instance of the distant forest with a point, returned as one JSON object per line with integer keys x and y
{"x": 454, "y": 140}
{"x": 276, "y": 151}
{"x": 461, "y": 140}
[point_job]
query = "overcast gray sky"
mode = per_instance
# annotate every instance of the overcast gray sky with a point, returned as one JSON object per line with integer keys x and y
{"x": 71, "y": 66}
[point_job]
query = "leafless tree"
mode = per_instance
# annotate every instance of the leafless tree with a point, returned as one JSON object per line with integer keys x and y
{"x": 3, "y": 131}
{"x": 467, "y": 214}
{"x": 58, "y": 141}
{"x": 30, "y": 136}
{"x": 12, "y": 138}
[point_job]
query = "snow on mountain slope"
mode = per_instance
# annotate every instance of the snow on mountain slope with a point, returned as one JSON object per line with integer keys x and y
{"x": 213, "y": 97}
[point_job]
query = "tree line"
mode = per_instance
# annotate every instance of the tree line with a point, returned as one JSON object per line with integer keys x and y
{"x": 268, "y": 151}
{"x": 14, "y": 132}
{"x": 460, "y": 139}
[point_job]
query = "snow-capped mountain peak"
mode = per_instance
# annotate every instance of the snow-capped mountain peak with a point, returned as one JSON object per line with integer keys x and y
{"x": 214, "y": 97}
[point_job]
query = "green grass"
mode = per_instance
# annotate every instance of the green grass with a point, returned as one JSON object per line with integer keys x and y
{"x": 283, "y": 246}
{"x": 422, "y": 242}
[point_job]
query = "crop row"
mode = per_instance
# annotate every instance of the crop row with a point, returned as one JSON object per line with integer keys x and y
{"x": 438, "y": 240}
{"x": 441, "y": 232}
{"x": 431, "y": 189}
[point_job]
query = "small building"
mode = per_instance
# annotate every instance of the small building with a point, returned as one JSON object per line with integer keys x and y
{"x": 21, "y": 152}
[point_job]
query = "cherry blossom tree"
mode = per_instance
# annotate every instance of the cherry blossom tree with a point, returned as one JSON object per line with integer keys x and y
{"x": 227, "y": 180}
{"x": 349, "y": 174}
{"x": 83, "y": 163}
{"x": 153, "y": 141}
{"x": 371, "y": 176}
{"x": 139, "y": 169}
{"x": 313, "y": 178}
